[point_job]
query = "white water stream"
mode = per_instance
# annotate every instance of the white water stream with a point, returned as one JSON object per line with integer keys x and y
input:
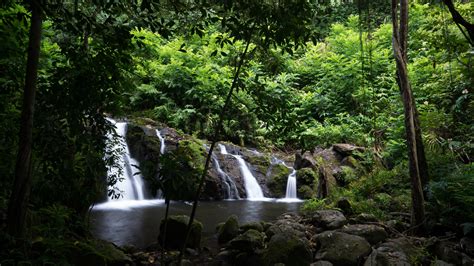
{"x": 130, "y": 182}
{"x": 162, "y": 141}
{"x": 252, "y": 188}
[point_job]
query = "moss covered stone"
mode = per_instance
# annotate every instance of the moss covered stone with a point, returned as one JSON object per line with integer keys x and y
{"x": 306, "y": 176}
{"x": 228, "y": 230}
{"x": 306, "y": 192}
{"x": 277, "y": 178}
{"x": 289, "y": 249}
{"x": 252, "y": 225}
{"x": 176, "y": 231}
{"x": 249, "y": 241}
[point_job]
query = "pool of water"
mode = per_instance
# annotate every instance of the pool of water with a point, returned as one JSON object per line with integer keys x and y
{"x": 137, "y": 222}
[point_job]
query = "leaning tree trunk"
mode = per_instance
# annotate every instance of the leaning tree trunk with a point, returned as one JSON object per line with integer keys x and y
{"x": 18, "y": 203}
{"x": 413, "y": 132}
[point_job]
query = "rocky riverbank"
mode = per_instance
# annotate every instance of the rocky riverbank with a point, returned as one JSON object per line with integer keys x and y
{"x": 321, "y": 238}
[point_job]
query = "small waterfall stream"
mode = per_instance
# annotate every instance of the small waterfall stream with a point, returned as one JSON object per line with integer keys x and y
{"x": 130, "y": 182}
{"x": 252, "y": 188}
{"x": 291, "y": 194}
{"x": 162, "y": 141}
{"x": 291, "y": 186}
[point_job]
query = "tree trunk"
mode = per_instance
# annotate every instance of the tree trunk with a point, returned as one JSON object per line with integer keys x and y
{"x": 459, "y": 20}
{"x": 413, "y": 132}
{"x": 18, "y": 203}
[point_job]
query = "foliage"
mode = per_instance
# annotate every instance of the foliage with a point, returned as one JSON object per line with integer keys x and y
{"x": 451, "y": 196}
{"x": 314, "y": 205}
{"x": 181, "y": 169}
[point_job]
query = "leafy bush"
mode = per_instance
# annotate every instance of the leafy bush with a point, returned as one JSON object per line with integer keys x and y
{"x": 451, "y": 197}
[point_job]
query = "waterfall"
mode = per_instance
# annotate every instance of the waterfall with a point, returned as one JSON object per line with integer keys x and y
{"x": 291, "y": 186}
{"x": 252, "y": 188}
{"x": 228, "y": 181}
{"x": 129, "y": 180}
{"x": 162, "y": 141}
{"x": 291, "y": 195}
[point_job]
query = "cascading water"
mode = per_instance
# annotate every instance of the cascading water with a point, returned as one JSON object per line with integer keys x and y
{"x": 162, "y": 141}
{"x": 130, "y": 181}
{"x": 291, "y": 186}
{"x": 291, "y": 195}
{"x": 228, "y": 181}
{"x": 252, "y": 188}
{"x": 231, "y": 191}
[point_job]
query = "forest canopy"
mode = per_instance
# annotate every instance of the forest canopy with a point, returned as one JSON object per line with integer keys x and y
{"x": 304, "y": 74}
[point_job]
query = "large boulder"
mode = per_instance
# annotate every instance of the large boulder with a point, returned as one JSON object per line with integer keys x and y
{"x": 249, "y": 241}
{"x": 228, "y": 230}
{"x": 277, "y": 177}
{"x": 328, "y": 219}
{"x": 286, "y": 247}
{"x": 345, "y": 149}
{"x": 252, "y": 225}
{"x": 448, "y": 251}
{"x": 98, "y": 252}
{"x": 176, "y": 232}
{"x": 341, "y": 248}
{"x": 372, "y": 233}
{"x": 394, "y": 252}
{"x": 304, "y": 160}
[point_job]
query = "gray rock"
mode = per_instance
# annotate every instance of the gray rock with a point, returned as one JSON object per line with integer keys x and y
{"x": 344, "y": 205}
{"x": 467, "y": 245}
{"x": 304, "y": 160}
{"x": 395, "y": 252}
{"x": 321, "y": 263}
{"x": 285, "y": 247}
{"x": 228, "y": 230}
{"x": 441, "y": 263}
{"x": 446, "y": 251}
{"x": 345, "y": 149}
{"x": 364, "y": 218}
{"x": 372, "y": 233}
{"x": 341, "y": 248}
{"x": 329, "y": 219}
{"x": 250, "y": 241}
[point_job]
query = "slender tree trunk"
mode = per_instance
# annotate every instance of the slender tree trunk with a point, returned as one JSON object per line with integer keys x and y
{"x": 18, "y": 203}
{"x": 413, "y": 132}
{"x": 459, "y": 20}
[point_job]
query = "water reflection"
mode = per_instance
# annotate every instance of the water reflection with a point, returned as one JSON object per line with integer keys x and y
{"x": 138, "y": 223}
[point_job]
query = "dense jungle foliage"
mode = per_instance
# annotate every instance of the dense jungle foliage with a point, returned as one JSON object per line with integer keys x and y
{"x": 331, "y": 80}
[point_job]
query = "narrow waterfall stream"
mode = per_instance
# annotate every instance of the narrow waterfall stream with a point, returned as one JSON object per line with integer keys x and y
{"x": 291, "y": 186}
{"x": 252, "y": 188}
{"x": 130, "y": 182}
{"x": 228, "y": 181}
{"x": 162, "y": 141}
{"x": 291, "y": 193}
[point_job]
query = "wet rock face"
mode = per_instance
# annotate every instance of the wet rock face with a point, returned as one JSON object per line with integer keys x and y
{"x": 341, "y": 248}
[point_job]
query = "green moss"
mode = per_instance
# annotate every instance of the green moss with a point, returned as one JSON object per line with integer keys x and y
{"x": 306, "y": 176}
{"x": 306, "y": 192}
{"x": 277, "y": 180}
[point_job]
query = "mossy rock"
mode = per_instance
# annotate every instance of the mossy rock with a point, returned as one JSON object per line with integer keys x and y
{"x": 176, "y": 232}
{"x": 306, "y": 192}
{"x": 252, "y": 225}
{"x": 289, "y": 249}
{"x": 99, "y": 252}
{"x": 228, "y": 230}
{"x": 306, "y": 176}
{"x": 277, "y": 179}
{"x": 250, "y": 241}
